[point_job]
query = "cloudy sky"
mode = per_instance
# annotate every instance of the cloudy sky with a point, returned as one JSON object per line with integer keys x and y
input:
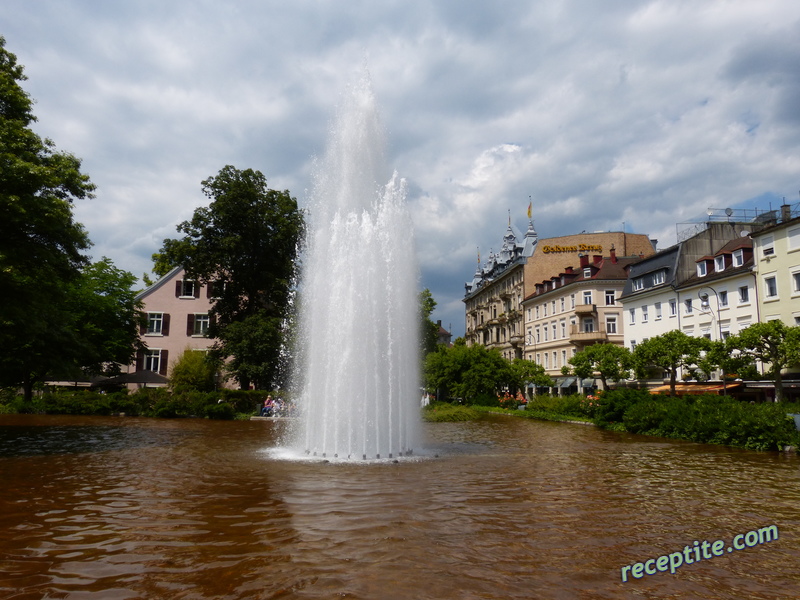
{"x": 621, "y": 113}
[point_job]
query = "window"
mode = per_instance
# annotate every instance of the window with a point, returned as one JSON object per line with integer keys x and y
{"x": 187, "y": 288}
{"x": 796, "y": 281}
{"x": 767, "y": 245}
{"x": 587, "y": 272}
{"x": 638, "y": 284}
{"x": 587, "y": 297}
{"x": 723, "y": 298}
{"x": 611, "y": 324}
{"x": 770, "y": 287}
{"x": 554, "y": 307}
{"x": 546, "y": 360}
{"x": 701, "y": 269}
{"x": 538, "y": 358}
{"x": 200, "y": 326}
{"x": 633, "y": 345}
{"x": 687, "y": 306}
{"x": 572, "y": 301}
{"x": 545, "y": 333}
{"x": 658, "y": 278}
{"x": 562, "y": 304}
{"x": 632, "y": 313}
{"x": 554, "y": 330}
{"x": 537, "y": 312}
{"x": 644, "y": 314}
{"x": 155, "y": 323}
{"x": 673, "y": 308}
{"x": 563, "y": 328}
{"x": 588, "y": 325}
{"x": 738, "y": 258}
{"x": 793, "y": 236}
{"x": 719, "y": 263}
{"x": 611, "y": 297}
{"x": 152, "y": 360}
{"x": 657, "y": 307}
{"x": 544, "y": 309}
{"x": 563, "y": 357}
{"x": 744, "y": 294}
{"x": 555, "y": 360}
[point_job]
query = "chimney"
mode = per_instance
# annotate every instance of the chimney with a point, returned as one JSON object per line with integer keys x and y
{"x": 597, "y": 259}
{"x": 568, "y": 271}
{"x": 786, "y": 212}
{"x": 584, "y": 259}
{"x": 613, "y": 254}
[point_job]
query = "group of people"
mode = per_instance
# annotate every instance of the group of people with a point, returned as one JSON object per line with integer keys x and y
{"x": 272, "y": 408}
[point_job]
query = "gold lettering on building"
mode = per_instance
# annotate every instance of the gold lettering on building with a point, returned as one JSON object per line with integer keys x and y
{"x": 578, "y": 248}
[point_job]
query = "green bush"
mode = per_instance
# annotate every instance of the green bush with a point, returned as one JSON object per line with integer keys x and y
{"x": 614, "y": 403}
{"x": 443, "y": 411}
{"x": 714, "y": 419}
{"x": 574, "y": 405}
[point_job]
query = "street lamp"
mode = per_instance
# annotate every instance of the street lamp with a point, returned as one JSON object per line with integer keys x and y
{"x": 705, "y": 305}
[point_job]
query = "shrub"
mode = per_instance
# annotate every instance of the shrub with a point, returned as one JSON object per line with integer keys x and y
{"x": 442, "y": 411}
{"x": 614, "y": 403}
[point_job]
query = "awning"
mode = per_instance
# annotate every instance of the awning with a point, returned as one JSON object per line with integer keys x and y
{"x": 683, "y": 389}
{"x": 568, "y": 382}
{"x": 144, "y": 377}
{"x": 587, "y": 383}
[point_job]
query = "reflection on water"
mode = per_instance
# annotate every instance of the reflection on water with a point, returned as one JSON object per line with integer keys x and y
{"x": 134, "y": 508}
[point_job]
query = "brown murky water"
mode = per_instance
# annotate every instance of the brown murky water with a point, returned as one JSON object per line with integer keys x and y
{"x": 119, "y": 508}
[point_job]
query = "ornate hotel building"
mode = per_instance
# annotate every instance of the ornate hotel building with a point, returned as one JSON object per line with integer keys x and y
{"x": 494, "y": 297}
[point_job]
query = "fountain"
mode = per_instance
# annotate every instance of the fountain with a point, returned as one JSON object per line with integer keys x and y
{"x": 358, "y": 372}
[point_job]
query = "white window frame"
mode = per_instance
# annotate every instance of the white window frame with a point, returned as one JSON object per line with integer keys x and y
{"x": 767, "y": 246}
{"x": 687, "y": 307}
{"x": 644, "y": 313}
{"x": 611, "y": 324}
{"x": 738, "y": 257}
{"x": 188, "y": 284}
{"x": 744, "y": 298}
{"x": 723, "y": 298}
{"x": 702, "y": 271}
{"x": 638, "y": 284}
{"x": 155, "y": 323}
{"x": 770, "y": 285}
{"x": 201, "y": 323}
{"x": 611, "y": 298}
{"x": 152, "y": 358}
{"x": 673, "y": 308}
{"x": 657, "y": 308}
{"x": 632, "y": 313}
{"x": 587, "y": 298}
{"x": 719, "y": 263}
{"x": 658, "y": 277}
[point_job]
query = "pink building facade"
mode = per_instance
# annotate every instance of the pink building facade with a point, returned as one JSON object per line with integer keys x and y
{"x": 178, "y": 316}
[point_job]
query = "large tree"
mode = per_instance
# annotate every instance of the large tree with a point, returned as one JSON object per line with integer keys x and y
{"x": 41, "y": 246}
{"x": 669, "y": 352}
{"x": 245, "y": 245}
{"x": 429, "y": 331}
{"x": 609, "y": 361}
{"x": 774, "y": 344}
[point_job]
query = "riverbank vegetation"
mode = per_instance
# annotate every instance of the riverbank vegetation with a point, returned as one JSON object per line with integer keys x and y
{"x": 146, "y": 402}
{"x": 708, "y": 418}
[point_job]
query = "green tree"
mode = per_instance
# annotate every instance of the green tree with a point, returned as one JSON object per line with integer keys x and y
{"x": 522, "y": 372}
{"x": 106, "y": 318}
{"x": 429, "y": 335}
{"x": 41, "y": 246}
{"x": 193, "y": 371}
{"x": 774, "y": 344}
{"x": 609, "y": 361}
{"x": 245, "y": 244}
{"x": 669, "y": 352}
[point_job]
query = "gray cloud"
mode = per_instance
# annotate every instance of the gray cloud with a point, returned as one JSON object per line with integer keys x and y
{"x": 644, "y": 113}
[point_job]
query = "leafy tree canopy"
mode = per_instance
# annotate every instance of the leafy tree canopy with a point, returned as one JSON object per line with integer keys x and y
{"x": 609, "y": 361}
{"x": 56, "y": 307}
{"x": 429, "y": 330}
{"x": 773, "y": 343}
{"x": 245, "y": 244}
{"x": 669, "y": 352}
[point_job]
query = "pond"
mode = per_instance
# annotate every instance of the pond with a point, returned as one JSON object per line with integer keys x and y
{"x": 121, "y": 508}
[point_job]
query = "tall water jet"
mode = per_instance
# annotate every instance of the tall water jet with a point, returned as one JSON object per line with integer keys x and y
{"x": 358, "y": 372}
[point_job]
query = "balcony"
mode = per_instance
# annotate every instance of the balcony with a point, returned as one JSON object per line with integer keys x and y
{"x": 585, "y": 309}
{"x": 579, "y": 335}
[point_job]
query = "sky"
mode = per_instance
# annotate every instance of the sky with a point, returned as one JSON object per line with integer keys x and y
{"x": 621, "y": 114}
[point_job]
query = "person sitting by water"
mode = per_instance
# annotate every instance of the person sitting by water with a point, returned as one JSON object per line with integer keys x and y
{"x": 267, "y": 410}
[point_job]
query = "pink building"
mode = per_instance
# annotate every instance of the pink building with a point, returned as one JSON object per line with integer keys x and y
{"x": 177, "y": 311}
